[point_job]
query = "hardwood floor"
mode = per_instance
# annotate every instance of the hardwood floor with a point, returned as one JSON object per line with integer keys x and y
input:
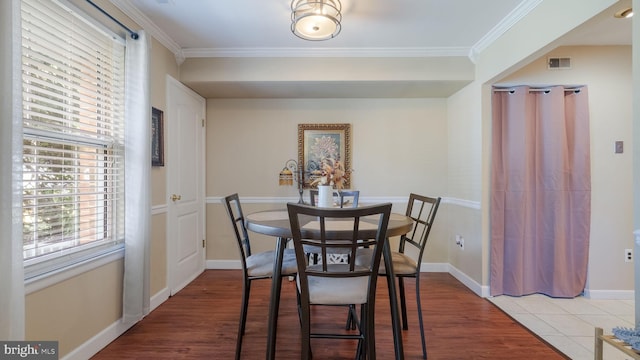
{"x": 200, "y": 322}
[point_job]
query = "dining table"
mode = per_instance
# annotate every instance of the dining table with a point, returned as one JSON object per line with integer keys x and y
{"x": 276, "y": 223}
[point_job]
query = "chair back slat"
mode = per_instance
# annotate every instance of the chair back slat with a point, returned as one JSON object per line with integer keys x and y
{"x": 234, "y": 210}
{"x": 422, "y": 209}
{"x": 343, "y": 196}
{"x": 333, "y": 228}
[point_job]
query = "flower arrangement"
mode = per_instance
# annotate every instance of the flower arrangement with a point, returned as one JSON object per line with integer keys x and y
{"x": 331, "y": 172}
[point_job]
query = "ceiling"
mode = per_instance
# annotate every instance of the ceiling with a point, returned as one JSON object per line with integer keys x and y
{"x": 371, "y": 28}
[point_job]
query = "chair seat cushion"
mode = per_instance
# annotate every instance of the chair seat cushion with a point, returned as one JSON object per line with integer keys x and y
{"x": 337, "y": 291}
{"x": 402, "y": 264}
{"x": 261, "y": 264}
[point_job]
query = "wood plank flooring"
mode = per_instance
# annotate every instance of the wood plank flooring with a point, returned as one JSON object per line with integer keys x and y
{"x": 200, "y": 322}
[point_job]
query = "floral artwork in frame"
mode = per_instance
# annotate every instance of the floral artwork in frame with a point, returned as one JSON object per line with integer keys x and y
{"x": 321, "y": 146}
{"x": 157, "y": 138}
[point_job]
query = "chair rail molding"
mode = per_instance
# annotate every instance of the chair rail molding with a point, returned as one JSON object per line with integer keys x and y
{"x": 158, "y": 209}
{"x": 363, "y": 199}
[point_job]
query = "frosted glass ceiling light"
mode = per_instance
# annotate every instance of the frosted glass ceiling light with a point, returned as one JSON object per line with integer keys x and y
{"x": 316, "y": 19}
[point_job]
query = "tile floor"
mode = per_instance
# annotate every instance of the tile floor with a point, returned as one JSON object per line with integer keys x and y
{"x": 568, "y": 324}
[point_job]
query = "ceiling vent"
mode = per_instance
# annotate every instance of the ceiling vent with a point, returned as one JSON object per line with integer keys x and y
{"x": 559, "y": 63}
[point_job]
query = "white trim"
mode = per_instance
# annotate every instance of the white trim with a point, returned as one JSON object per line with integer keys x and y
{"x": 284, "y": 200}
{"x": 471, "y": 52}
{"x": 97, "y": 342}
{"x": 434, "y": 267}
{"x": 363, "y": 199}
{"x": 44, "y": 281}
{"x": 152, "y": 29}
{"x": 158, "y": 209}
{"x": 160, "y": 297}
{"x": 479, "y": 289}
{"x": 327, "y": 52}
{"x": 502, "y": 27}
{"x": 609, "y": 294}
{"x": 463, "y": 203}
{"x": 52, "y": 278}
{"x": 223, "y": 265}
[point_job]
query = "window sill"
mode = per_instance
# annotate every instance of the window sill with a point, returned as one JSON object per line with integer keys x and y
{"x": 51, "y": 278}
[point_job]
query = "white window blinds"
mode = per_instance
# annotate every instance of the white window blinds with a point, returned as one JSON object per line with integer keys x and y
{"x": 73, "y": 133}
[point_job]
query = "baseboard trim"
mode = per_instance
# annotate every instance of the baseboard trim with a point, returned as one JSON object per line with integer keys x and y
{"x": 92, "y": 346}
{"x": 98, "y": 342}
{"x": 223, "y": 264}
{"x": 479, "y": 289}
{"x": 102, "y": 339}
{"x": 609, "y": 294}
{"x": 434, "y": 267}
{"x": 157, "y": 299}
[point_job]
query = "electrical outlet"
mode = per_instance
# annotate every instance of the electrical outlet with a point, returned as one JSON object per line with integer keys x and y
{"x": 460, "y": 241}
{"x": 628, "y": 255}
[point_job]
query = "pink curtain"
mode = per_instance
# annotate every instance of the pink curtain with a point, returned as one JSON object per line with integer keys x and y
{"x": 540, "y": 192}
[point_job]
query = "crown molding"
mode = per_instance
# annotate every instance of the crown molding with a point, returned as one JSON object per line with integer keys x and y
{"x": 141, "y": 19}
{"x": 181, "y": 54}
{"x": 326, "y": 52}
{"x": 502, "y": 27}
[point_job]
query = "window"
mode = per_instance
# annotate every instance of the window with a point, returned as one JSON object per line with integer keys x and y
{"x": 73, "y": 137}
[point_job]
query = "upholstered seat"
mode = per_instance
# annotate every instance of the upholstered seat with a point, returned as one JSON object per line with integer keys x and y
{"x": 407, "y": 260}
{"x": 340, "y": 284}
{"x": 261, "y": 264}
{"x": 255, "y": 266}
{"x": 402, "y": 264}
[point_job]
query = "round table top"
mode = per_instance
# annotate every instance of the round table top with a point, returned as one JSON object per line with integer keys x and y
{"x": 276, "y": 223}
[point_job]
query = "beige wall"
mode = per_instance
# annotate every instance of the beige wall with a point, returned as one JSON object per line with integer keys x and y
{"x": 77, "y": 309}
{"x": 465, "y": 183}
{"x": 398, "y": 146}
{"x": 525, "y": 42}
{"x": 248, "y": 142}
{"x": 163, "y": 63}
{"x": 606, "y": 71}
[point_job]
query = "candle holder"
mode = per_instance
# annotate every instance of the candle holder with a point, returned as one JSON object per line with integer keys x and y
{"x": 290, "y": 173}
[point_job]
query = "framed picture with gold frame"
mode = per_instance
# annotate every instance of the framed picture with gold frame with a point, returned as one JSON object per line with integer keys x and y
{"x": 320, "y": 141}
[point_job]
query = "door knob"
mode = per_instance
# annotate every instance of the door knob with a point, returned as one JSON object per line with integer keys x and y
{"x": 175, "y": 197}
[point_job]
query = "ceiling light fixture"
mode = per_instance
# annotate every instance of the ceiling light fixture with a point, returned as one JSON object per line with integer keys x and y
{"x": 626, "y": 13}
{"x": 316, "y": 19}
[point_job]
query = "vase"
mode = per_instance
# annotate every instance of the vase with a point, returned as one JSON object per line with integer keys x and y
{"x": 325, "y": 196}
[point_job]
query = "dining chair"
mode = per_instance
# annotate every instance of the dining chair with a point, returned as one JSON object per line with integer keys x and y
{"x": 407, "y": 259}
{"x": 339, "y": 284}
{"x": 255, "y": 266}
{"x": 344, "y": 197}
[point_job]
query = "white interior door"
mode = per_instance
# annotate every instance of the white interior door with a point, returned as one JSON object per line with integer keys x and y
{"x": 185, "y": 184}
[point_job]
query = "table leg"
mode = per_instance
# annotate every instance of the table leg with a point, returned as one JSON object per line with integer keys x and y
{"x": 274, "y": 305}
{"x": 393, "y": 300}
